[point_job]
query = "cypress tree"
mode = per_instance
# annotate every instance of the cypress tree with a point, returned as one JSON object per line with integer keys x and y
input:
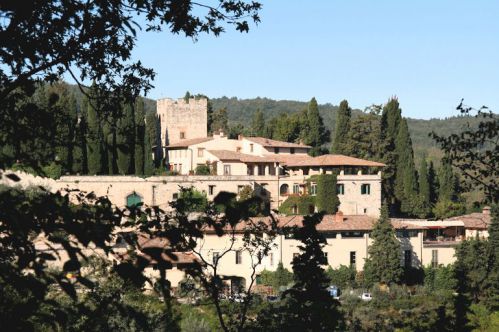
{"x": 80, "y": 165}
{"x": 307, "y": 306}
{"x": 383, "y": 262}
{"x": 63, "y": 108}
{"x": 405, "y": 176}
{"x": 424, "y": 182}
{"x": 94, "y": 138}
{"x": 433, "y": 181}
{"x": 424, "y": 186}
{"x": 220, "y": 121}
{"x": 364, "y": 137}
{"x": 140, "y": 133}
{"x": 317, "y": 134}
{"x": 390, "y": 120}
{"x": 148, "y": 160}
{"x": 492, "y": 291}
{"x": 125, "y": 139}
{"x": 342, "y": 129}
{"x": 258, "y": 124}
{"x": 153, "y": 130}
{"x": 109, "y": 131}
{"x": 447, "y": 183}
{"x": 327, "y": 198}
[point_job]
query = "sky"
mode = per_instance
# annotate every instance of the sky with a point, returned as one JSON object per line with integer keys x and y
{"x": 429, "y": 54}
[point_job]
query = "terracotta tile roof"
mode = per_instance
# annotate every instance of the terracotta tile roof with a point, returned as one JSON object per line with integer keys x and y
{"x": 335, "y": 160}
{"x": 347, "y": 223}
{"x": 476, "y": 220}
{"x": 226, "y": 155}
{"x": 188, "y": 142}
{"x": 270, "y": 143}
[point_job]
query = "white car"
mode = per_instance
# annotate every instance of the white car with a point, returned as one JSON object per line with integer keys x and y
{"x": 366, "y": 297}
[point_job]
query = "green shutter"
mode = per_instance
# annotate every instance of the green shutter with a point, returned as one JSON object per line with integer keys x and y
{"x": 133, "y": 200}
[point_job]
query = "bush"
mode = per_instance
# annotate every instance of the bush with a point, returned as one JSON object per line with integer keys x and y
{"x": 327, "y": 199}
{"x": 343, "y": 277}
{"x": 202, "y": 170}
{"x": 194, "y": 200}
{"x": 53, "y": 170}
{"x": 447, "y": 209}
{"x": 304, "y": 205}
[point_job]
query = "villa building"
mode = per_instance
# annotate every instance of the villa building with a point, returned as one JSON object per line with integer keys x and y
{"x": 275, "y": 170}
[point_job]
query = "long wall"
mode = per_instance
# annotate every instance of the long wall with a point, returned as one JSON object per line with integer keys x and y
{"x": 160, "y": 190}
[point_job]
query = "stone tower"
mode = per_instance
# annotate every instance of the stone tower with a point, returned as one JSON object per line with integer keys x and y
{"x": 182, "y": 119}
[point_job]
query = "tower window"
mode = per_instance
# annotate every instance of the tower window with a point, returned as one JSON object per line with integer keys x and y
{"x": 182, "y": 135}
{"x": 365, "y": 189}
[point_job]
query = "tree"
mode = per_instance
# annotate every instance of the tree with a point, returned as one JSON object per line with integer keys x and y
{"x": 317, "y": 134}
{"x": 99, "y": 38}
{"x": 125, "y": 139}
{"x": 277, "y": 279}
{"x": 93, "y": 139}
{"x": 406, "y": 185}
{"x": 140, "y": 137}
{"x": 258, "y": 124}
{"x": 153, "y": 138}
{"x": 343, "y": 277}
{"x": 307, "y": 305}
{"x": 383, "y": 262}
{"x": 342, "y": 129}
{"x": 327, "y": 199}
{"x": 390, "y": 122}
{"x": 364, "y": 137}
{"x": 424, "y": 189}
{"x": 65, "y": 111}
{"x": 433, "y": 181}
{"x": 80, "y": 146}
{"x": 475, "y": 151}
{"x": 220, "y": 121}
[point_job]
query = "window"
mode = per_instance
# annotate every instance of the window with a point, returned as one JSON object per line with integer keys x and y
{"x": 211, "y": 190}
{"x": 330, "y": 235}
{"x": 353, "y": 258}
{"x": 365, "y": 211}
{"x": 352, "y": 234}
{"x": 284, "y": 190}
{"x": 340, "y": 189}
{"x": 296, "y": 188}
{"x": 133, "y": 200}
{"x": 251, "y": 147}
{"x": 434, "y": 258}
{"x": 239, "y": 257}
{"x": 313, "y": 189}
{"x": 271, "y": 259}
{"x": 276, "y": 150}
{"x": 326, "y": 259}
{"x": 182, "y": 135}
{"x": 200, "y": 152}
{"x": 404, "y": 233}
{"x": 292, "y": 150}
{"x": 216, "y": 254}
{"x": 226, "y": 169}
{"x": 407, "y": 258}
{"x": 365, "y": 189}
{"x": 261, "y": 170}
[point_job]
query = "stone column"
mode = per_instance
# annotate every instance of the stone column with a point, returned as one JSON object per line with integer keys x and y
{"x": 267, "y": 170}
{"x": 255, "y": 170}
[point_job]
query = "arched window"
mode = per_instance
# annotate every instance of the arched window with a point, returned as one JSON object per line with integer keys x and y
{"x": 133, "y": 200}
{"x": 284, "y": 190}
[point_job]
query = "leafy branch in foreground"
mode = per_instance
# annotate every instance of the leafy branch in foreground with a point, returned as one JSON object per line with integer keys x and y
{"x": 475, "y": 151}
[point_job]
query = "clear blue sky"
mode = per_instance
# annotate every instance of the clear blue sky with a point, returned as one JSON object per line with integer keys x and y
{"x": 428, "y": 53}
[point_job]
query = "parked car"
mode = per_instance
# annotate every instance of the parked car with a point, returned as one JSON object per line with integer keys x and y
{"x": 366, "y": 297}
{"x": 334, "y": 291}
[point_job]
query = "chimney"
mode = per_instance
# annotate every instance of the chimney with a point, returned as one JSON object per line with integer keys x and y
{"x": 239, "y": 137}
{"x": 486, "y": 210}
{"x": 338, "y": 217}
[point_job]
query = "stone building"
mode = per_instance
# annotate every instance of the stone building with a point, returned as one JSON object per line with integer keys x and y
{"x": 182, "y": 119}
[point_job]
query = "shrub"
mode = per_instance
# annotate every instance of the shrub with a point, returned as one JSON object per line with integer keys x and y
{"x": 202, "y": 170}
{"x": 304, "y": 205}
